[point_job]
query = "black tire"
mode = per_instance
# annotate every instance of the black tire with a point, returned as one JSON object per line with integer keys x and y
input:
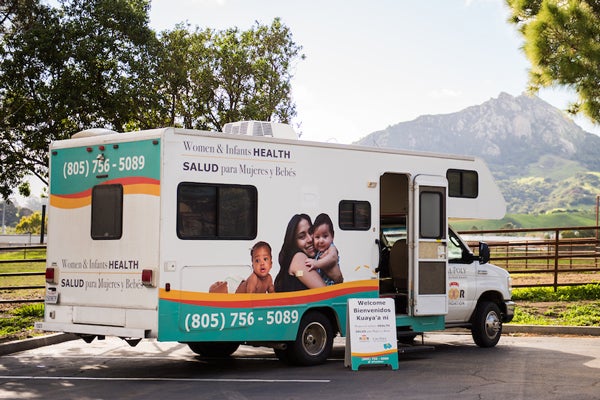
{"x": 314, "y": 341}
{"x": 487, "y": 324}
{"x": 214, "y": 349}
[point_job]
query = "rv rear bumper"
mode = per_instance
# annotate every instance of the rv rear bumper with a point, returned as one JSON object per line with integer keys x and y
{"x": 97, "y": 330}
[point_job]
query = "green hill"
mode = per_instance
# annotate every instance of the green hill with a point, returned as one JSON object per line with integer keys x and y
{"x": 541, "y": 159}
{"x": 556, "y": 218}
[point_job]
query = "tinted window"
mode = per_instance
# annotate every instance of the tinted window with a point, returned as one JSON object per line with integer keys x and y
{"x": 206, "y": 211}
{"x": 462, "y": 183}
{"x": 354, "y": 215}
{"x": 107, "y": 212}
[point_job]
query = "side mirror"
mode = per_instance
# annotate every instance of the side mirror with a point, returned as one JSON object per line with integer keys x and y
{"x": 484, "y": 253}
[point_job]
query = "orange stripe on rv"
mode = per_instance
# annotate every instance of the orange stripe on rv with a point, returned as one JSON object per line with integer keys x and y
{"x": 151, "y": 189}
{"x": 69, "y": 202}
{"x": 243, "y": 300}
{"x": 132, "y": 185}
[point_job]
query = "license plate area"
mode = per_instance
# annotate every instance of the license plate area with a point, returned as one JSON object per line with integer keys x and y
{"x": 51, "y": 296}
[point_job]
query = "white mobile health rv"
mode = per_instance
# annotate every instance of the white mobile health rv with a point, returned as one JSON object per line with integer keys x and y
{"x": 149, "y": 236}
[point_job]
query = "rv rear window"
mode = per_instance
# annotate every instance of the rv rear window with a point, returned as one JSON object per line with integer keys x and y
{"x": 107, "y": 212}
{"x": 463, "y": 183}
{"x": 354, "y": 215}
{"x": 208, "y": 211}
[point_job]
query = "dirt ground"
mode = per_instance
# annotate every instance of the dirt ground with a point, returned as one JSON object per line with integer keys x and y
{"x": 537, "y": 279}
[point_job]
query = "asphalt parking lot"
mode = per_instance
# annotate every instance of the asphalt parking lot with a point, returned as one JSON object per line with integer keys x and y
{"x": 520, "y": 367}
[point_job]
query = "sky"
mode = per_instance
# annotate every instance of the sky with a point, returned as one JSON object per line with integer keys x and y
{"x": 374, "y": 63}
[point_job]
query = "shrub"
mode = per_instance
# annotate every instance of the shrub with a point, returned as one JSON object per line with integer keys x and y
{"x": 566, "y": 293}
{"x": 30, "y": 311}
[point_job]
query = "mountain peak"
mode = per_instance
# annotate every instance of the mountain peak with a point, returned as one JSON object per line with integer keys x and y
{"x": 506, "y": 127}
{"x": 512, "y": 133}
{"x": 505, "y": 97}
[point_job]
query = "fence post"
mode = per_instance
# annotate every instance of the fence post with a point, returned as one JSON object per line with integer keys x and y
{"x": 556, "y": 241}
{"x": 596, "y": 251}
{"x": 43, "y": 223}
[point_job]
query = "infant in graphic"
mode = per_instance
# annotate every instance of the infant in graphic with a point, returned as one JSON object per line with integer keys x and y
{"x": 260, "y": 281}
{"x": 327, "y": 260}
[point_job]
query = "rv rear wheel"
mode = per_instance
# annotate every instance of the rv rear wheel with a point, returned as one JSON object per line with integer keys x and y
{"x": 214, "y": 349}
{"x": 314, "y": 341}
{"x": 487, "y": 324}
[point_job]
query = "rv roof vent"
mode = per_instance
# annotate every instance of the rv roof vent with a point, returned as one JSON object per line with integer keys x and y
{"x": 92, "y": 132}
{"x": 259, "y": 128}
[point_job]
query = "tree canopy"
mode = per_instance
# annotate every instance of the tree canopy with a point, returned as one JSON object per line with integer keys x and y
{"x": 66, "y": 69}
{"x": 209, "y": 78}
{"x": 31, "y": 223}
{"x": 97, "y": 63}
{"x": 562, "y": 42}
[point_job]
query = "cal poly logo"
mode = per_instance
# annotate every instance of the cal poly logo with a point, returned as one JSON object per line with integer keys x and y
{"x": 454, "y": 291}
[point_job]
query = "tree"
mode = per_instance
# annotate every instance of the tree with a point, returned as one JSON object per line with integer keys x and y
{"x": 31, "y": 223}
{"x": 11, "y": 13}
{"x": 274, "y": 55}
{"x": 66, "y": 69}
{"x": 214, "y": 77}
{"x": 22, "y": 22}
{"x": 96, "y": 63}
{"x": 561, "y": 42}
{"x": 185, "y": 77}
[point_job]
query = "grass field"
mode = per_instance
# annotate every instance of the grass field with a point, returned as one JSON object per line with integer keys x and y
{"x": 17, "y": 319}
{"x": 14, "y": 267}
{"x": 556, "y": 218}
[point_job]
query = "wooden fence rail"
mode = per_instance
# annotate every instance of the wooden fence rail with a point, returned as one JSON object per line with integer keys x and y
{"x": 542, "y": 251}
{"x": 526, "y": 251}
{"x": 23, "y": 260}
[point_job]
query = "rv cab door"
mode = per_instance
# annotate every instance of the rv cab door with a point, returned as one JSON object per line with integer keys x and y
{"x": 429, "y": 249}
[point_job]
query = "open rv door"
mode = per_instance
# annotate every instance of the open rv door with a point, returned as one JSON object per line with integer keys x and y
{"x": 429, "y": 239}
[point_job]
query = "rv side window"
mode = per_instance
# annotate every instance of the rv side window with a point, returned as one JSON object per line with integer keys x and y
{"x": 354, "y": 215}
{"x": 208, "y": 211}
{"x": 463, "y": 183}
{"x": 431, "y": 214}
{"x": 107, "y": 212}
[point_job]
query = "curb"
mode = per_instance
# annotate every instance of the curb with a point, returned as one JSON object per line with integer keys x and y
{"x": 552, "y": 330}
{"x": 34, "y": 343}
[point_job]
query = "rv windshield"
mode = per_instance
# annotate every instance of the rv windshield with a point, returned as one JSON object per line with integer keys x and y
{"x": 457, "y": 249}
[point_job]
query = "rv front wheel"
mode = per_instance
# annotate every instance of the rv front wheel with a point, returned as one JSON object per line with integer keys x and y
{"x": 214, "y": 349}
{"x": 487, "y": 324}
{"x": 314, "y": 341}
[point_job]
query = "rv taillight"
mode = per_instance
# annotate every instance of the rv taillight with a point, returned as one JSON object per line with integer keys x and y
{"x": 148, "y": 277}
{"x": 50, "y": 275}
